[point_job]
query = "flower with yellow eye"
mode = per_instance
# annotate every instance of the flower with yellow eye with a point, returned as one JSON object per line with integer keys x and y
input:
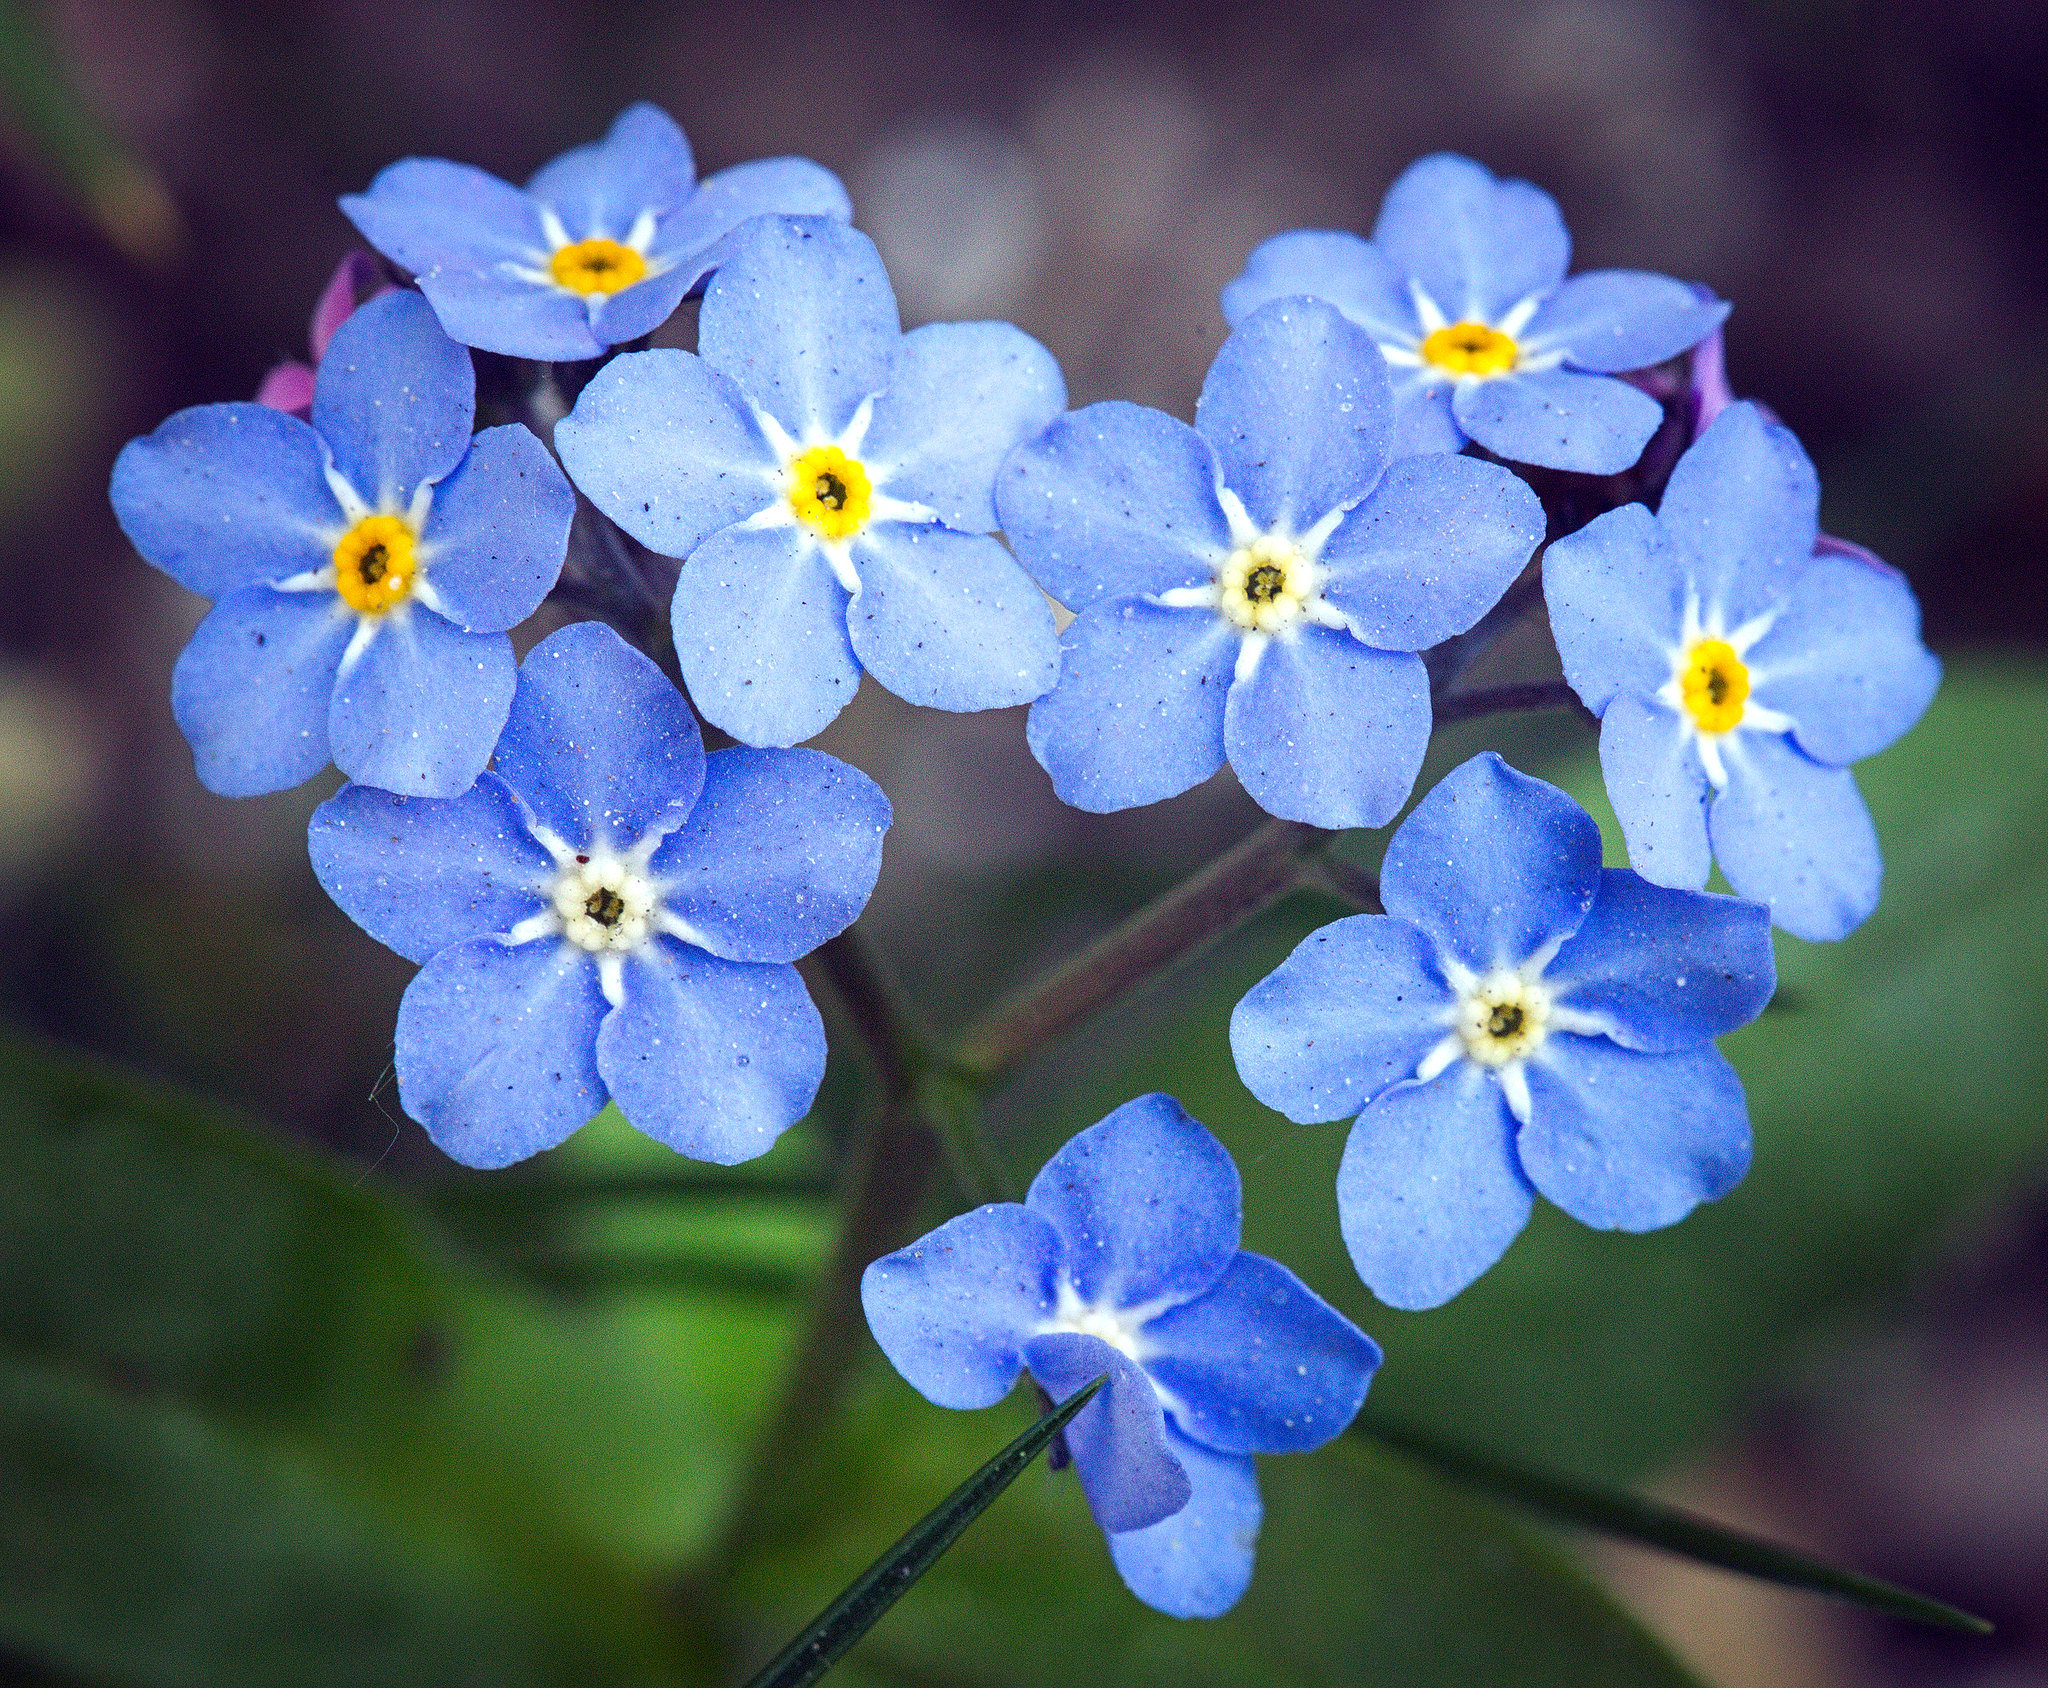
{"x": 1463, "y": 286}
{"x": 599, "y": 248}
{"x": 366, "y": 564}
{"x": 1739, "y": 663}
{"x": 826, "y": 480}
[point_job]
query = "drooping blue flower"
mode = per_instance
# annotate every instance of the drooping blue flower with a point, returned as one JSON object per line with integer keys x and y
{"x": 366, "y": 564}
{"x": 1520, "y": 1019}
{"x": 1123, "y": 1259}
{"x": 825, "y": 479}
{"x": 1463, "y": 286}
{"x": 599, "y": 248}
{"x": 1256, "y": 586}
{"x": 1739, "y": 662}
{"x": 610, "y": 914}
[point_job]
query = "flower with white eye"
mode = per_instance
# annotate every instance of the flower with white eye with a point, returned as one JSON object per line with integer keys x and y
{"x": 1520, "y": 1019}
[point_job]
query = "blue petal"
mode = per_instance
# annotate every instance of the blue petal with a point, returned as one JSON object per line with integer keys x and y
{"x": 949, "y": 620}
{"x": 1559, "y": 419}
{"x": 642, "y": 164}
{"x": 1631, "y": 1142}
{"x": 801, "y": 315}
{"x": 497, "y": 532}
{"x": 599, "y": 743}
{"x": 420, "y": 709}
{"x": 1352, "y": 1010}
{"x": 954, "y": 1309}
{"x": 1147, "y": 1203}
{"x": 1493, "y": 865}
{"x": 429, "y": 214}
{"x": 226, "y": 495}
{"x": 394, "y": 399}
{"x": 760, "y": 627}
{"x": 1113, "y": 499}
{"x": 497, "y": 1048}
{"x": 486, "y": 308}
{"x": 1137, "y": 715}
{"x": 1329, "y": 731}
{"x": 1431, "y": 550}
{"x": 1659, "y": 791}
{"x": 1118, "y": 1440}
{"x": 1477, "y": 245}
{"x": 1422, "y": 415}
{"x": 1617, "y": 607}
{"x": 669, "y": 449}
{"x": 1332, "y": 265}
{"x": 961, "y": 395}
{"x": 250, "y": 692}
{"x": 1845, "y": 660}
{"x": 1429, "y": 1193}
{"x": 1198, "y": 1562}
{"x": 690, "y": 238}
{"x": 419, "y": 874}
{"x": 1261, "y": 1364}
{"x": 1666, "y": 969}
{"x": 779, "y": 854}
{"x": 640, "y": 309}
{"x": 1741, "y": 512}
{"x": 1300, "y": 410}
{"x": 1794, "y": 834}
{"x": 714, "y": 1058}
{"x": 1609, "y": 320}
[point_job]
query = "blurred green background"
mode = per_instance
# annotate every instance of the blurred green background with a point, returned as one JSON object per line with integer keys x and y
{"x": 286, "y": 1396}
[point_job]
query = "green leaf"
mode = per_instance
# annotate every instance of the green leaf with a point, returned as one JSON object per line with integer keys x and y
{"x": 1633, "y": 1518}
{"x": 893, "y": 1575}
{"x": 1370, "y": 1571}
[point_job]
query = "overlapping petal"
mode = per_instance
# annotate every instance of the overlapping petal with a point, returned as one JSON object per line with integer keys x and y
{"x": 1610, "y": 320}
{"x": 1617, "y": 606}
{"x": 419, "y": 874}
{"x": 1559, "y": 419}
{"x": 714, "y": 1058}
{"x": 394, "y": 400}
{"x": 420, "y": 707}
{"x": 1123, "y": 1248}
{"x": 690, "y": 238}
{"x": 600, "y": 189}
{"x": 1333, "y": 265}
{"x": 1493, "y": 865}
{"x": 1198, "y": 1562}
{"x": 1478, "y": 246}
{"x": 1352, "y": 1010}
{"x": 251, "y": 690}
{"x": 497, "y": 532}
{"x": 779, "y": 854}
{"x": 1794, "y": 833}
{"x": 1118, "y": 1440}
{"x": 1659, "y": 790}
{"x": 599, "y": 743}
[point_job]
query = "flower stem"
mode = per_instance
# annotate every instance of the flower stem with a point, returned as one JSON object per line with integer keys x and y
{"x": 1497, "y": 700}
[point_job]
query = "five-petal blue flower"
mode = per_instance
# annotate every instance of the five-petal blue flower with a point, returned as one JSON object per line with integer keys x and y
{"x": 608, "y": 914}
{"x": 825, "y": 479}
{"x": 1520, "y": 1019}
{"x": 1123, "y": 1259}
{"x": 1256, "y": 586}
{"x": 366, "y": 564}
{"x": 599, "y": 248}
{"x": 1737, "y": 673}
{"x": 1463, "y": 286}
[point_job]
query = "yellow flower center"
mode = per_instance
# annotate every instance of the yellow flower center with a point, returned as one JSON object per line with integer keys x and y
{"x": 829, "y": 491}
{"x": 1471, "y": 348}
{"x": 376, "y": 564}
{"x": 1263, "y": 584}
{"x": 597, "y": 266}
{"x": 1715, "y": 685}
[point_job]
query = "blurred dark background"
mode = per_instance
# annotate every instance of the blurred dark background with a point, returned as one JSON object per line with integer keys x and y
{"x": 1865, "y": 182}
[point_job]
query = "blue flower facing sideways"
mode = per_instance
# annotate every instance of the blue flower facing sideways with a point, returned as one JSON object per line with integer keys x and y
{"x": 1256, "y": 586}
{"x": 1737, "y": 672}
{"x": 610, "y": 914}
{"x": 599, "y": 248}
{"x": 1520, "y": 1019}
{"x": 367, "y": 564}
{"x": 825, "y": 479}
{"x": 1123, "y": 1259}
{"x": 1463, "y": 286}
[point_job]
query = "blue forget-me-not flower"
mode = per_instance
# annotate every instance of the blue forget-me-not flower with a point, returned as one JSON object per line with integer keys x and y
{"x": 599, "y": 248}
{"x": 609, "y": 914}
{"x": 1463, "y": 286}
{"x": 1520, "y": 1019}
{"x": 1737, "y": 674}
{"x": 1256, "y": 586}
{"x": 825, "y": 479}
{"x": 1123, "y": 1259}
{"x": 367, "y": 564}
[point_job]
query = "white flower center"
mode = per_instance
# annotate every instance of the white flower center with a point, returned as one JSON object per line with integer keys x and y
{"x": 1266, "y": 585}
{"x": 1502, "y": 1018}
{"x": 604, "y": 902}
